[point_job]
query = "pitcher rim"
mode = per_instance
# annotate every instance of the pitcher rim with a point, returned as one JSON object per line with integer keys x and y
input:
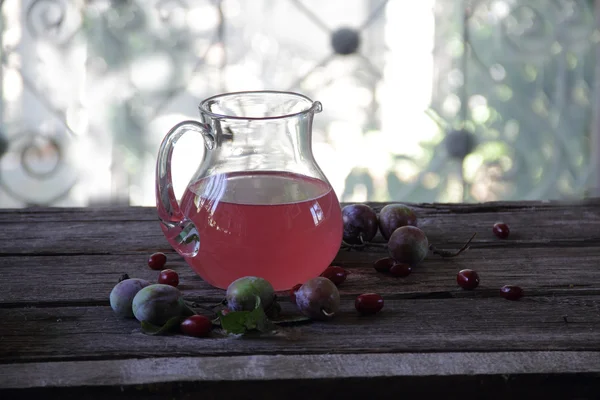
{"x": 315, "y": 105}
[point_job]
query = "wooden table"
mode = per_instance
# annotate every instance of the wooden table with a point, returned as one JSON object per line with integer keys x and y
{"x": 60, "y": 339}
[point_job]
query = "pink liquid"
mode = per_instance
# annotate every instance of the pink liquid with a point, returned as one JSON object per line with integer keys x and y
{"x": 283, "y": 227}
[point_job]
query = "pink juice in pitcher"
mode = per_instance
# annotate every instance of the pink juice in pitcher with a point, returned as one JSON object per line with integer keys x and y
{"x": 283, "y": 227}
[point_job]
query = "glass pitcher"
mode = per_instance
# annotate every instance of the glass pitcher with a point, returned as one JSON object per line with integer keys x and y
{"x": 258, "y": 205}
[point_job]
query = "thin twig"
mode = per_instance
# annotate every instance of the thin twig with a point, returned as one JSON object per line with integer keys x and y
{"x": 362, "y": 245}
{"x": 449, "y": 253}
{"x": 212, "y": 309}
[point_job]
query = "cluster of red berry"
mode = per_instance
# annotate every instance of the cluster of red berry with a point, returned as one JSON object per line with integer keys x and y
{"x": 467, "y": 279}
{"x": 195, "y": 325}
{"x": 372, "y": 303}
{"x": 366, "y": 303}
{"x": 167, "y": 276}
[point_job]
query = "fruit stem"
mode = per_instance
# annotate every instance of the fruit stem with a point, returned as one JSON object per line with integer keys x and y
{"x": 274, "y": 309}
{"x": 348, "y": 246}
{"x": 193, "y": 305}
{"x": 325, "y": 313}
{"x": 449, "y": 253}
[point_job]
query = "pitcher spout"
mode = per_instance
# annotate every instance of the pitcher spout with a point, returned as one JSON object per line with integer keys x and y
{"x": 317, "y": 107}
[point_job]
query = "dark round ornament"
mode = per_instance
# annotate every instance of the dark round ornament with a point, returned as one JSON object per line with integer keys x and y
{"x": 345, "y": 41}
{"x": 459, "y": 143}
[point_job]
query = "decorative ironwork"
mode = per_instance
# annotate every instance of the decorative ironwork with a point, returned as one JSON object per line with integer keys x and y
{"x": 52, "y": 20}
{"x": 459, "y": 143}
{"x": 39, "y": 173}
{"x": 345, "y": 41}
{"x": 513, "y": 92}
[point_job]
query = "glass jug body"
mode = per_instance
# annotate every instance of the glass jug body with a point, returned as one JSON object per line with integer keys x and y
{"x": 258, "y": 205}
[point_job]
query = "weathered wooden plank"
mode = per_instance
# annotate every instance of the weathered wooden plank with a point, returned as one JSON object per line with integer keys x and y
{"x": 85, "y": 214}
{"x": 90, "y": 278}
{"x": 64, "y": 262}
{"x": 405, "y": 325}
{"x": 127, "y": 230}
{"x": 280, "y": 367}
{"x": 82, "y": 237}
{"x": 488, "y": 387}
{"x": 120, "y": 213}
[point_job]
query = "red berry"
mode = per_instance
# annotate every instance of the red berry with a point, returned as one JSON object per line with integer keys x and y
{"x": 168, "y": 277}
{"x": 157, "y": 261}
{"x": 501, "y": 230}
{"x": 401, "y": 270}
{"x": 293, "y": 292}
{"x": 335, "y": 274}
{"x": 383, "y": 264}
{"x": 196, "y": 325}
{"x": 510, "y": 292}
{"x": 368, "y": 303}
{"x": 467, "y": 279}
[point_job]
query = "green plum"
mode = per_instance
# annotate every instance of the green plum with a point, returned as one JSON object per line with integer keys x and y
{"x": 157, "y": 304}
{"x": 241, "y": 293}
{"x": 121, "y": 296}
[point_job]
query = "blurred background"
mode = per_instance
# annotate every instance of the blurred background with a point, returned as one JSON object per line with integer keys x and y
{"x": 424, "y": 101}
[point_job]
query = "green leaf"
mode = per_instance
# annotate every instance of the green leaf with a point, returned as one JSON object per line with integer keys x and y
{"x": 169, "y": 326}
{"x": 234, "y": 321}
{"x": 240, "y": 322}
{"x": 259, "y": 320}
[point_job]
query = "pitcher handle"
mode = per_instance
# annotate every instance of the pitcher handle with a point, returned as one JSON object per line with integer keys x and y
{"x": 167, "y": 204}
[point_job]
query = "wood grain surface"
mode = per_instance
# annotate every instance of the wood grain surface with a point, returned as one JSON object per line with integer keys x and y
{"x": 57, "y": 267}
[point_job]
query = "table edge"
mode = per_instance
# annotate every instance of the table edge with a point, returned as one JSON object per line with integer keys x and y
{"x": 141, "y": 371}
